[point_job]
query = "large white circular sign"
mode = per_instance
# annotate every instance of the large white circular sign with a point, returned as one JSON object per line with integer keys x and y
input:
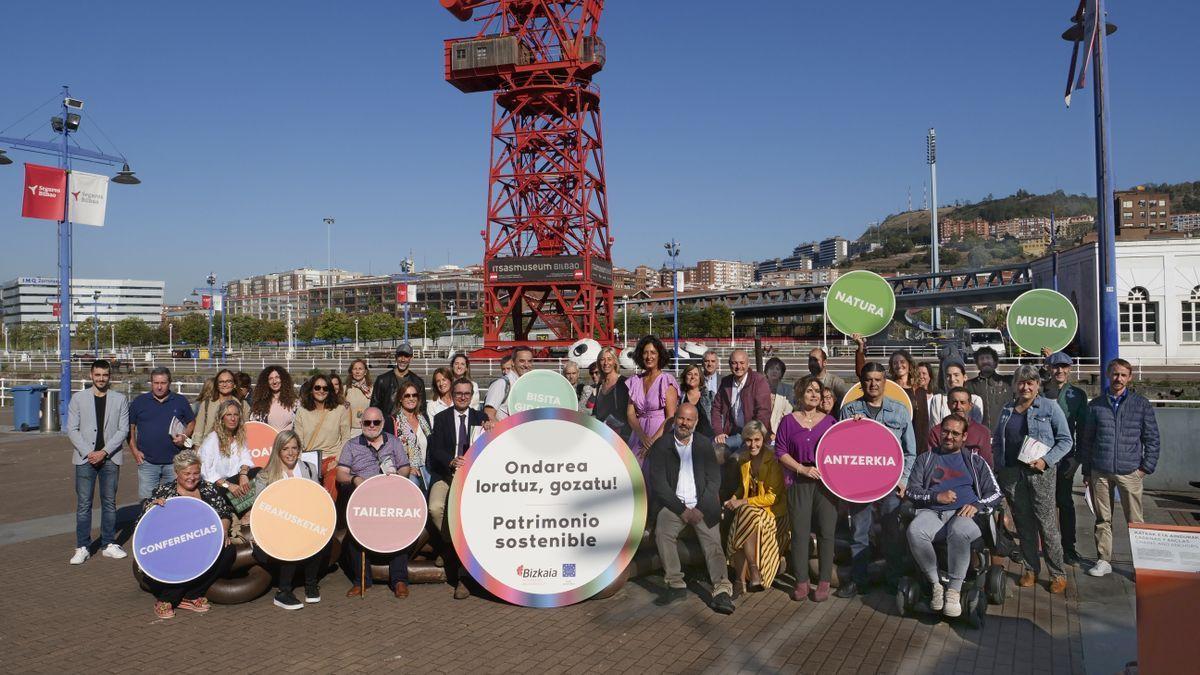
{"x": 548, "y": 509}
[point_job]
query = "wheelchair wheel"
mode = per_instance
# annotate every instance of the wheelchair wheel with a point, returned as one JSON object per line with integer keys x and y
{"x": 977, "y": 609}
{"x": 903, "y": 589}
{"x": 997, "y": 585}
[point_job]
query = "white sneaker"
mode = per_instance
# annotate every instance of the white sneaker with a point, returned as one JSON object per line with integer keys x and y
{"x": 1100, "y": 569}
{"x": 81, "y": 556}
{"x": 113, "y": 551}
{"x": 937, "y": 597}
{"x": 953, "y": 605}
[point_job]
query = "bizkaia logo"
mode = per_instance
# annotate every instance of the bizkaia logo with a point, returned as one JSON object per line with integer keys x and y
{"x": 536, "y": 573}
{"x": 45, "y": 191}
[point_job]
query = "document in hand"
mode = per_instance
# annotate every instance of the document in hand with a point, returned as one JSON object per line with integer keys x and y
{"x": 176, "y": 428}
{"x": 1032, "y": 450}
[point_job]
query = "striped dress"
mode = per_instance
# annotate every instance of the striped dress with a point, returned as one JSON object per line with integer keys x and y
{"x": 765, "y": 514}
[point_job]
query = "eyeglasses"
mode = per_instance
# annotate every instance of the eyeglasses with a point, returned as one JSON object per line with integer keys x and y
{"x": 320, "y": 387}
{"x": 372, "y": 423}
{"x": 462, "y": 393}
{"x": 410, "y": 396}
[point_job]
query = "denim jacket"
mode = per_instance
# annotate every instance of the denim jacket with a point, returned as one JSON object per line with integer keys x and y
{"x": 894, "y": 416}
{"x": 1047, "y": 423}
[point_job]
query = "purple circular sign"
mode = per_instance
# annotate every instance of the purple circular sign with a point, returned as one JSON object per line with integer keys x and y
{"x": 860, "y": 460}
{"x": 178, "y": 541}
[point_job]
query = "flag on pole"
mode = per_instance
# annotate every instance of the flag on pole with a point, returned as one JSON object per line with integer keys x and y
{"x": 89, "y": 198}
{"x": 206, "y": 302}
{"x": 1087, "y": 18}
{"x": 45, "y": 192}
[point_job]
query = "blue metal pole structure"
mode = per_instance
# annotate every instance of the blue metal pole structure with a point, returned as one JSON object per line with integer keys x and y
{"x": 212, "y": 301}
{"x": 1105, "y": 211}
{"x": 96, "y": 323}
{"x": 673, "y": 251}
{"x": 64, "y": 280}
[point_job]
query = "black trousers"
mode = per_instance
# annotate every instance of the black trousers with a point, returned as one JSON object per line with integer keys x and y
{"x": 1064, "y": 500}
{"x": 285, "y": 572}
{"x": 352, "y": 556}
{"x": 196, "y": 588}
{"x": 808, "y": 498}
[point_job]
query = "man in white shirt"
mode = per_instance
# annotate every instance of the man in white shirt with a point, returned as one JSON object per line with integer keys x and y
{"x": 685, "y": 490}
{"x": 495, "y": 404}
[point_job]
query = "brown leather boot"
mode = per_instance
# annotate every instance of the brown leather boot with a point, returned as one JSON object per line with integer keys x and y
{"x": 401, "y": 590}
{"x": 355, "y": 591}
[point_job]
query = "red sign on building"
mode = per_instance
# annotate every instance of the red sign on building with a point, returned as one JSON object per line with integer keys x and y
{"x": 56, "y": 309}
{"x": 45, "y": 192}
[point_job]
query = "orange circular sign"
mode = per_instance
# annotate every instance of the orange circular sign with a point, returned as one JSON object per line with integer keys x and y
{"x": 890, "y": 390}
{"x": 293, "y": 519}
{"x": 260, "y": 438}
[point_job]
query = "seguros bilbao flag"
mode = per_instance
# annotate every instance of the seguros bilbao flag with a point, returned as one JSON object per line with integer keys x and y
{"x": 88, "y": 198}
{"x": 45, "y": 192}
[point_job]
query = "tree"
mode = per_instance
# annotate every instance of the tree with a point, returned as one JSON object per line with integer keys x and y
{"x": 379, "y": 326}
{"x": 436, "y": 323}
{"x": 334, "y": 326}
{"x": 132, "y": 331}
{"x": 272, "y": 330}
{"x": 193, "y": 328}
{"x": 306, "y": 330}
{"x": 85, "y": 334}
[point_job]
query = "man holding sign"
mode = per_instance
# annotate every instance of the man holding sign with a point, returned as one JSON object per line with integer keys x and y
{"x": 373, "y": 453}
{"x": 893, "y": 415}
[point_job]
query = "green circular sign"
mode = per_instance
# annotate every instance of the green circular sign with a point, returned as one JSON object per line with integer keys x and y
{"x": 1042, "y": 318}
{"x": 860, "y": 302}
{"x": 541, "y": 389}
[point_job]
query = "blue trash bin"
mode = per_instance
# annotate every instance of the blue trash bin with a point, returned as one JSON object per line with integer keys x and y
{"x": 27, "y": 406}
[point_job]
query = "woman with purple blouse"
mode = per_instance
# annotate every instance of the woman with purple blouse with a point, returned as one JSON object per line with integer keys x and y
{"x": 796, "y": 448}
{"x": 653, "y": 395}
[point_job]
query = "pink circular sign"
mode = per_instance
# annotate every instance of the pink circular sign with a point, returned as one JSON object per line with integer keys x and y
{"x": 860, "y": 460}
{"x": 386, "y": 513}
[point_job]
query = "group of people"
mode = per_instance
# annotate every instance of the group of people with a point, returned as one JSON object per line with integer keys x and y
{"x": 732, "y": 457}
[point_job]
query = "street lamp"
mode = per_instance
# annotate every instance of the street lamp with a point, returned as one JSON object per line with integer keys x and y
{"x": 451, "y": 317}
{"x": 731, "y": 315}
{"x": 64, "y": 125}
{"x": 356, "y": 334}
{"x": 96, "y": 322}
{"x": 934, "y": 238}
{"x": 673, "y": 251}
{"x": 329, "y": 263}
{"x": 425, "y": 326}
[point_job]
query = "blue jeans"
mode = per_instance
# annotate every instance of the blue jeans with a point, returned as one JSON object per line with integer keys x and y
{"x": 862, "y": 517}
{"x": 85, "y": 487}
{"x": 151, "y": 476}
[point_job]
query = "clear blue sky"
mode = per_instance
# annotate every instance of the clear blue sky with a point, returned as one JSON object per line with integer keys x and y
{"x": 738, "y": 128}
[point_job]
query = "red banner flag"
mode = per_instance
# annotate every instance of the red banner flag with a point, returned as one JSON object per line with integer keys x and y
{"x": 206, "y": 302}
{"x": 45, "y": 192}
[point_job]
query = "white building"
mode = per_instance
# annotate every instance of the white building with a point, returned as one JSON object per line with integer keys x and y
{"x": 32, "y": 300}
{"x": 1158, "y": 297}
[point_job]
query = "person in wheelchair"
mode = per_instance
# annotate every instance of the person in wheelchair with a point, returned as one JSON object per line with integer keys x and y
{"x": 948, "y": 485}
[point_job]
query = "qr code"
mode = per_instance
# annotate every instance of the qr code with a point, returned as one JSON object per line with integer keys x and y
{"x": 568, "y": 570}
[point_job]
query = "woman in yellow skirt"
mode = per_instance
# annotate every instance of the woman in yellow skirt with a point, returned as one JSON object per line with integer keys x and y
{"x": 760, "y": 531}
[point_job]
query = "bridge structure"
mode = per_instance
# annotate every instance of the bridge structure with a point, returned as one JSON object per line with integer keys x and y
{"x": 987, "y": 285}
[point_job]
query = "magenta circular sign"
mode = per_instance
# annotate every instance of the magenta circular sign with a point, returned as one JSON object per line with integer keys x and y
{"x": 860, "y": 460}
{"x": 386, "y": 513}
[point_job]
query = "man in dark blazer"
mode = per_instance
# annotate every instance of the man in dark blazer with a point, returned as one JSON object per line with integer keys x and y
{"x": 454, "y": 430}
{"x": 743, "y": 395}
{"x": 685, "y": 481}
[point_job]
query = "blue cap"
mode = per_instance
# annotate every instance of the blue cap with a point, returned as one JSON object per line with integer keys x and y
{"x": 1059, "y": 359}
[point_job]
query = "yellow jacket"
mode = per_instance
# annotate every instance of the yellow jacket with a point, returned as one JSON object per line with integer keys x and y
{"x": 766, "y": 489}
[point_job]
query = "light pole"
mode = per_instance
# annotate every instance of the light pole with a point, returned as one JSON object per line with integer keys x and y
{"x": 170, "y": 336}
{"x": 731, "y": 315}
{"x": 112, "y": 334}
{"x": 1106, "y": 283}
{"x": 451, "y": 326}
{"x": 356, "y": 334}
{"x": 425, "y": 326}
{"x": 96, "y": 322}
{"x": 5, "y": 339}
{"x": 212, "y": 306}
{"x": 673, "y": 251}
{"x": 65, "y": 125}
{"x": 625, "y": 310}
{"x": 328, "y": 263}
{"x": 931, "y": 158}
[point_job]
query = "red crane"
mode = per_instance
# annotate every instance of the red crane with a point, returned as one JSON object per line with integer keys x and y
{"x": 547, "y": 248}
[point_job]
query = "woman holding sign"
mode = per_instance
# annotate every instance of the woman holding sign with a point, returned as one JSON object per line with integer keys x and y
{"x": 808, "y": 498}
{"x": 760, "y": 529}
{"x": 188, "y": 483}
{"x": 612, "y": 396}
{"x": 653, "y": 396}
{"x": 322, "y": 424}
{"x": 285, "y": 463}
{"x": 224, "y": 457}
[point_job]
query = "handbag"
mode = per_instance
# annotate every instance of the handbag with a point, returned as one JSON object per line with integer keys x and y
{"x": 242, "y": 504}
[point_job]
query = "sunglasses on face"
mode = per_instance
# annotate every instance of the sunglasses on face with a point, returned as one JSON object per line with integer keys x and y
{"x": 410, "y": 396}
{"x": 320, "y": 387}
{"x": 372, "y": 423}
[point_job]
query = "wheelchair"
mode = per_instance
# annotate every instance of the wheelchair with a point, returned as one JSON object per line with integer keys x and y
{"x": 984, "y": 582}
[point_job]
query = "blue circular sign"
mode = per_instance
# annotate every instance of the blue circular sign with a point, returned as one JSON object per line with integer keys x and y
{"x": 178, "y": 541}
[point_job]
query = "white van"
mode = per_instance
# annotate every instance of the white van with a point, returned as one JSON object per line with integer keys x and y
{"x": 975, "y": 338}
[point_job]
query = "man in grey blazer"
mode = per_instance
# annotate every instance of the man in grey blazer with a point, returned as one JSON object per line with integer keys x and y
{"x": 97, "y": 424}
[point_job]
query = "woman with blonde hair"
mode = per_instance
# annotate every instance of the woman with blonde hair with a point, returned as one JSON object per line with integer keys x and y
{"x": 760, "y": 530}
{"x": 219, "y": 389}
{"x": 358, "y": 393}
{"x": 285, "y": 463}
{"x": 224, "y": 456}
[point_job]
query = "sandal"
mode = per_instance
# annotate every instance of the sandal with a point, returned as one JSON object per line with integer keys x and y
{"x": 198, "y": 605}
{"x": 164, "y": 610}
